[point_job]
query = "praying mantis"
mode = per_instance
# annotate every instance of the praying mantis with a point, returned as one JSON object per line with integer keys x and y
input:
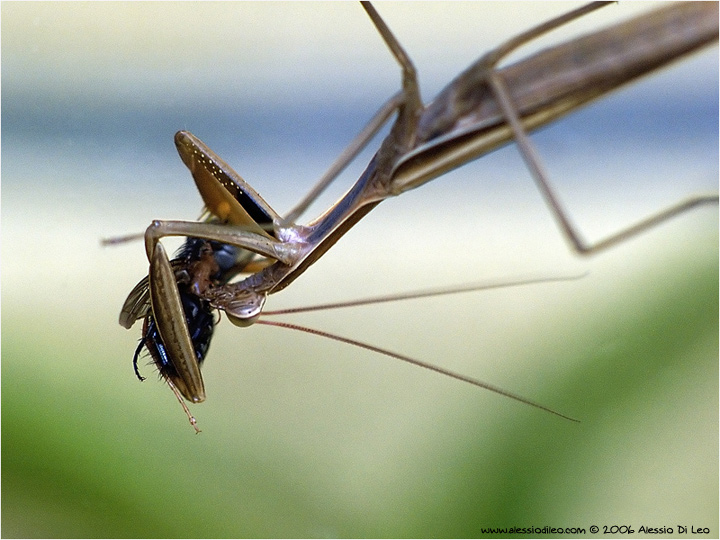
{"x": 483, "y": 108}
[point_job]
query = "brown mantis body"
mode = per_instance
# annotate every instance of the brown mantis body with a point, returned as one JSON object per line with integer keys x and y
{"x": 484, "y": 107}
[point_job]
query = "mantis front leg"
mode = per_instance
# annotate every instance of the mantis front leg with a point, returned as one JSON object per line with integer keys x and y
{"x": 285, "y": 252}
{"x": 243, "y": 307}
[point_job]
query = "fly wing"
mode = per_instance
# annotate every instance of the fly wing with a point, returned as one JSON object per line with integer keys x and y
{"x": 137, "y": 303}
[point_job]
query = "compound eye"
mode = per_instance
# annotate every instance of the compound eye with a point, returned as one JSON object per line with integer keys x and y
{"x": 245, "y": 310}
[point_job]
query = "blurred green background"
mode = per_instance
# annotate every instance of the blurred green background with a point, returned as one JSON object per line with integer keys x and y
{"x": 303, "y": 437}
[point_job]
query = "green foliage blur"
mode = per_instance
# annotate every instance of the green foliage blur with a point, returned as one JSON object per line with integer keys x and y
{"x": 82, "y": 459}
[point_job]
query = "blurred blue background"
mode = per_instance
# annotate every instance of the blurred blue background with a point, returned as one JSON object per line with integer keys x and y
{"x": 303, "y": 437}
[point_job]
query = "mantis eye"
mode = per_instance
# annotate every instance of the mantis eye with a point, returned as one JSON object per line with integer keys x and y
{"x": 246, "y": 310}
